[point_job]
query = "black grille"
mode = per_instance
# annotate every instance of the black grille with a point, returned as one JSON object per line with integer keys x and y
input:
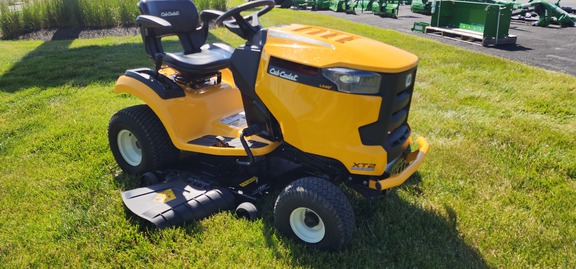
{"x": 391, "y": 130}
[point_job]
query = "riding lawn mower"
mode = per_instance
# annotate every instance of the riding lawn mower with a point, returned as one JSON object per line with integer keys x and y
{"x": 301, "y": 109}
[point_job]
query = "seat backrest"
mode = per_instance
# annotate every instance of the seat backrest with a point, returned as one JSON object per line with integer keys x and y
{"x": 182, "y": 15}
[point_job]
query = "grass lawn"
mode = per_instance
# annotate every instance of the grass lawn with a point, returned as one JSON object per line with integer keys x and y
{"x": 498, "y": 188}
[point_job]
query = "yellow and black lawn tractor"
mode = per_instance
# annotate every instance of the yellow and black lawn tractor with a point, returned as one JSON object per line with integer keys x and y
{"x": 297, "y": 107}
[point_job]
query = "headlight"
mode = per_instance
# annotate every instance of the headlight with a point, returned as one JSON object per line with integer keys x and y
{"x": 353, "y": 81}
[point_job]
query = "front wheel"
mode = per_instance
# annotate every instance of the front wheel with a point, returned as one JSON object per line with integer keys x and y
{"x": 315, "y": 212}
{"x": 139, "y": 141}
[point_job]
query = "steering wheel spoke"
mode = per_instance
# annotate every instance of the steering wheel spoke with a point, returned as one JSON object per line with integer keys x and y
{"x": 245, "y": 26}
{"x": 254, "y": 19}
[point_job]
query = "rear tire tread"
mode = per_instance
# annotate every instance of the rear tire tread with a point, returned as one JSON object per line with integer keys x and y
{"x": 150, "y": 133}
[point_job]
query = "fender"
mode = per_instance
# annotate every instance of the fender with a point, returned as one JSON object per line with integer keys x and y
{"x": 144, "y": 91}
{"x": 191, "y": 114}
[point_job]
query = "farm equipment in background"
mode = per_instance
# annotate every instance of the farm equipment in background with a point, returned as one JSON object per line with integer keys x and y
{"x": 382, "y": 8}
{"x": 486, "y": 23}
{"x": 548, "y": 13}
{"x": 338, "y": 5}
{"x": 312, "y": 4}
{"x": 351, "y": 6}
{"x": 386, "y": 8}
{"x": 422, "y": 6}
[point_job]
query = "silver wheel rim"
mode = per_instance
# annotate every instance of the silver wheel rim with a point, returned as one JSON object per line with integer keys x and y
{"x": 303, "y": 228}
{"x": 129, "y": 148}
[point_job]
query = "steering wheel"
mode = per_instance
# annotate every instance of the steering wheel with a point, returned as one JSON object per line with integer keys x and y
{"x": 247, "y": 26}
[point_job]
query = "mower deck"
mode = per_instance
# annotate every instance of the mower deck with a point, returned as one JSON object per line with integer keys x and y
{"x": 177, "y": 201}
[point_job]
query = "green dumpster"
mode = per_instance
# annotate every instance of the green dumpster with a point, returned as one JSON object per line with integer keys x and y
{"x": 485, "y": 22}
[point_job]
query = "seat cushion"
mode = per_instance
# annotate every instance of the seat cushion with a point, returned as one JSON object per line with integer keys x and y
{"x": 210, "y": 59}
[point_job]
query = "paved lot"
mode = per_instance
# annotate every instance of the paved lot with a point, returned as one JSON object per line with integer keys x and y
{"x": 552, "y": 48}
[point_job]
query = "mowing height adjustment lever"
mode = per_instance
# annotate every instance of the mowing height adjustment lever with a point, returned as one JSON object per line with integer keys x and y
{"x": 248, "y": 131}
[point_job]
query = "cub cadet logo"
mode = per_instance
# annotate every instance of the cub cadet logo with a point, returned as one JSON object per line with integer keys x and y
{"x": 363, "y": 166}
{"x": 170, "y": 13}
{"x": 283, "y": 74}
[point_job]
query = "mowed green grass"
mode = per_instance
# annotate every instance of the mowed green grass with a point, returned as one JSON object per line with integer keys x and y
{"x": 497, "y": 188}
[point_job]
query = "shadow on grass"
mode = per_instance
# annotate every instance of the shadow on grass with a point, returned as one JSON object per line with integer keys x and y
{"x": 54, "y": 63}
{"x": 391, "y": 232}
{"x": 66, "y": 33}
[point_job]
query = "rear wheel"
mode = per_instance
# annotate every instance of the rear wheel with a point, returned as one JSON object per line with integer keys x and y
{"x": 139, "y": 141}
{"x": 316, "y": 212}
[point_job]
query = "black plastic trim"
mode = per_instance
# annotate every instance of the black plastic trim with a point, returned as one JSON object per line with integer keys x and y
{"x": 163, "y": 86}
{"x": 391, "y": 130}
{"x": 299, "y": 73}
{"x": 244, "y": 64}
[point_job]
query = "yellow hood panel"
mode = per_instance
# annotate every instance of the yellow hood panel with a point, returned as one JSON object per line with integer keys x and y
{"x": 322, "y": 47}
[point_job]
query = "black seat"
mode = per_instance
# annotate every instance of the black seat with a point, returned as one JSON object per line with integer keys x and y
{"x": 211, "y": 58}
{"x": 162, "y": 18}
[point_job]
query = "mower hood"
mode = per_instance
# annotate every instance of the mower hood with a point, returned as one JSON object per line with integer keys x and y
{"x": 321, "y": 47}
